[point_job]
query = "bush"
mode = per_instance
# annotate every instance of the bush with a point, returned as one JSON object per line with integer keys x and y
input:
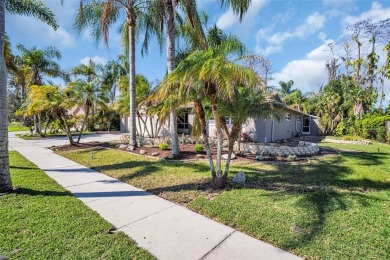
{"x": 198, "y": 148}
{"x": 163, "y": 146}
{"x": 381, "y": 134}
{"x": 349, "y": 138}
{"x": 340, "y": 129}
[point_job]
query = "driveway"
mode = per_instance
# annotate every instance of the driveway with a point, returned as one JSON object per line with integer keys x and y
{"x": 63, "y": 140}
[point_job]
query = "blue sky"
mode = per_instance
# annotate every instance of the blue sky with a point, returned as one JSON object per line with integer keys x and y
{"x": 291, "y": 34}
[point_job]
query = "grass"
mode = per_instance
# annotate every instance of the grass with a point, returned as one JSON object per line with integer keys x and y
{"x": 16, "y": 128}
{"x": 41, "y": 220}
{"x": 48, "y": 135}
{"x": 340, "y": 203}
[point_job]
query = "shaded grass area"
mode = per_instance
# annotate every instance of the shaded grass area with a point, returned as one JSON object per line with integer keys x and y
{"x": 49, "y": 135}
{"x": 335, "y": 206}
{"x": 16, "y": 128}
{"x": 41, "y": 220}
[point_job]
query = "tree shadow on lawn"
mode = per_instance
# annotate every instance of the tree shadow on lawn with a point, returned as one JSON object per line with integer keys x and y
{"x": 30, "y": 192}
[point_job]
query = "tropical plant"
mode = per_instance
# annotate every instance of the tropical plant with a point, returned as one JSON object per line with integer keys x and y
{"x": 87, "y": 94}
{"x": 41, "y": 63}
{"x": 22, "y": 7}
{"x": 99, "y": 16}
{"x": 216, "y": 76}
{"x": 55, "y": 101}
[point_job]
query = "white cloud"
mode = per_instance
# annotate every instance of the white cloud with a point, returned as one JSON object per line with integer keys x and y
{"x": 96, "y": 59}
{"x": 40, "y": 32}
{"x": 376, "y": 13}
{"x": 322, "y": 36}
{"x": 308, "y": 74}
{"x": 229, "y": 19}
{"x": 313, "y": 23}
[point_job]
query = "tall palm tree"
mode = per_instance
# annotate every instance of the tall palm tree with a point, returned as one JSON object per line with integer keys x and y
{"x": 100, "y": 15}
{"x": 22, "y": 7}
{"x": 41, "y": 63}
{"x": 89, "y": 70}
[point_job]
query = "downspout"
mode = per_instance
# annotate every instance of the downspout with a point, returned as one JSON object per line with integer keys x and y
{"x": 272, "y": 129}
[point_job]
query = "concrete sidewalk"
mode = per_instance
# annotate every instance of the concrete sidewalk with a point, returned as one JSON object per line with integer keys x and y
{"x": 165, "y": 229}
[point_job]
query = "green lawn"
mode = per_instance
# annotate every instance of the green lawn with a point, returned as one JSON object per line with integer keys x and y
{"x": 339, "y": 202}
{"x": 48, "y": 135}
{"x": 44, "y": 221}
{"x": 16, "y": 128}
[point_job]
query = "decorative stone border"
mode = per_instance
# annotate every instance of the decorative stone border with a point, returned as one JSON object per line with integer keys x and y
{"x": 303, "y": 148}
{"x": 338, "y": 141}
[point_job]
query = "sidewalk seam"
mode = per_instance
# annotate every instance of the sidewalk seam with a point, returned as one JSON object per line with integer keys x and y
{"x": 216, "y": 246}
{"x": 146, "y": 217}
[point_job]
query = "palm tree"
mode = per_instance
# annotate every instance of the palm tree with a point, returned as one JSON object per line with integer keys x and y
{"x": 41, "y": 63}
{"x": 218, "y": 77}
{"x": 87, "y": 94}
{"x": 22, "y": 7}
{"x": 89, "y": 71}
{"x": 53, "y": 100}
{"x": 99, "y": 15}
{"x": 285, "y": 88}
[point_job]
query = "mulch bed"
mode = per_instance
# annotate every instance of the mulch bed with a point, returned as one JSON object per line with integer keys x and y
{"x": 186, "y": 152}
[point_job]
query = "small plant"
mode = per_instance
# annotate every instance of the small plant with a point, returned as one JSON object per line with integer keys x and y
{"x": 163, "y": 146}
{"x": 198, "y": 148}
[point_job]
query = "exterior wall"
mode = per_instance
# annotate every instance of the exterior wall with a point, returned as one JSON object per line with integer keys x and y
{"x": 315, "y": 127}
{"x": 283, "y": 128}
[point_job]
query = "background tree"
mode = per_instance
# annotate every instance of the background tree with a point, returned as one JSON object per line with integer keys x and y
{"x": 41, "y": 63}
{"x": 99, "y": 16}
{"x": 22, "y": 7}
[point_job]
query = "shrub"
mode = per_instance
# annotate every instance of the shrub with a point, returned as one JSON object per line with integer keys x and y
{"x": 163, "y": 146}
{"x": 381, "y": 134}
{"x": 349, "y": 138}
{"x": 340, "y": 129}
{"x": 198, "y": 148}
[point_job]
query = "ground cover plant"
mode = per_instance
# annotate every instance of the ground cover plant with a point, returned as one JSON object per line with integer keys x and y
{"x": 335, "y": 206}
{"x": 41, "y": 220}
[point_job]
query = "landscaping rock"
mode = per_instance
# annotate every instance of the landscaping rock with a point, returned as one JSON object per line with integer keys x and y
{"x": 200, "y": 156}
{"x": 260, "y": 158}
{"x": 171, "y": 156}
{"x": 142, "y": 152}
{"x": 291, "y": 158}
{"x": 239, "y": 178}
{"x": 130, "y": 148}
{"x": 225, "y": 156}
{"x": 155, "y": 154}
{"x": 296, "y": 229}
{"x": 122, "y": 146}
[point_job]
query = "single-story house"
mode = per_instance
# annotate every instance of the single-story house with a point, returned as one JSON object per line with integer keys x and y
{"x": 290, "y": 123}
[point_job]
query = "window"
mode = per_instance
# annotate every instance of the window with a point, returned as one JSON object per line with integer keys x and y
{"x": 288, "y": 116}
{"x": 299, "y": 119}
{"x": 182, "y": 121}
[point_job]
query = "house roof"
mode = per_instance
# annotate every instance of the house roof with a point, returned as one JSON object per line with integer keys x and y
{"x": 275, "y": 98}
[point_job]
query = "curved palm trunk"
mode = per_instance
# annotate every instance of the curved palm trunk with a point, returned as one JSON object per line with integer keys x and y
{"x": 65, "y": 127}
{"x": 234, "y": 134}
{"x": 171, "y": 64}
{"x": 5, "y": 177}
{"x": 203, "y": 125}
{"x": 133, "y": 107}
{"x": 219, "y": 181}
{"x": 84, "y": 123}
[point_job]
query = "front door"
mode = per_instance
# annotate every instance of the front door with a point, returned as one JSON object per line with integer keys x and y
{"x": 306, "y": 125}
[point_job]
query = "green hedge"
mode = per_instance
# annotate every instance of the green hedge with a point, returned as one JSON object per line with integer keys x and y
{"x": 373, "y": 126}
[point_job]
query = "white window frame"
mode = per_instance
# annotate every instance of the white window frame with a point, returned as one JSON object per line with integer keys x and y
{"x": 288, "y": 117}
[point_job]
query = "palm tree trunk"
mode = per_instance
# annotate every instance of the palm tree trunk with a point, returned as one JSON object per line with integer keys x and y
{"x": 47, "y": 124}
{"x": 36, "y": 125}
{"x": 171, "y": 64}
{"x": 203, "y": 127}
{"x": 65, "y": 127}
{"x": 84, "y": 123}
{"x": 5, "y": 177}
{"x": 133, "y": 107}
{"x": 234, "y": 133}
